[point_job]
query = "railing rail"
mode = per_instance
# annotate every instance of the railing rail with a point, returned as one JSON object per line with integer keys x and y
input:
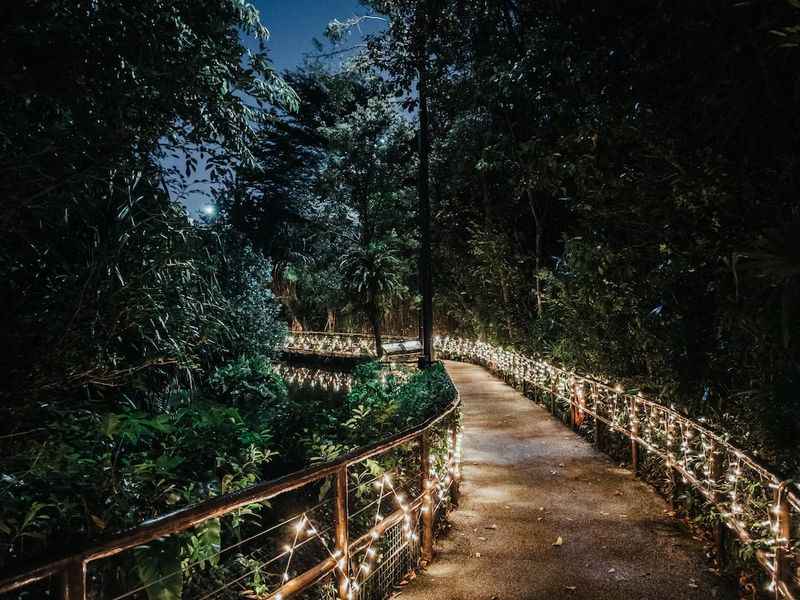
{"x": 72, "y": 568}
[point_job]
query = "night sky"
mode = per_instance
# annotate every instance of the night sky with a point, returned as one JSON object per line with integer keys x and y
{"x": 293, "y": 24}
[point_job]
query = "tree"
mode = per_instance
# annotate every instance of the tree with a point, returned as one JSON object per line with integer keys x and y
{"x": 274, "y": 203}
{"x": 404, "y": 51}
{"x": 95, "y": 98}
{"x": 365, "y": 175}
{"x": 119, "y": 308}
{"x": 613, "y": 200}
{"x": 372, "y": 274}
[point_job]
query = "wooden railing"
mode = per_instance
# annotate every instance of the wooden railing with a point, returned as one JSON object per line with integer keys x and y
{"x": 415, "y": 513}
{"x": 762, "y": 509}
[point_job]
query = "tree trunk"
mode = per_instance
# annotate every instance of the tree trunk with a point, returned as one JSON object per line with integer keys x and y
{"x": 538, "y": 246}
{"x": 425, "y": 262}
{"x": 375, "y": 322}
{"x": 506, "y": 306}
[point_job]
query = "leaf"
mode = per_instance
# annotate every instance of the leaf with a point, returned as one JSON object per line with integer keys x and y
{"x": 559, "y": 541}
{"x": 110, "y": 425}
{"x": 324, "y": 489}
{"x": 207, "y": 542}
{"x": 158, "y": 567}
{"x": 33, "y": 512}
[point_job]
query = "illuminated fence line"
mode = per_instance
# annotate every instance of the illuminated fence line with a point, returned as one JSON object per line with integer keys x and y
{"x": 357, "y": 565}
{"x": 322, "y": 343}
{"x": 761, "y": 508}
{"x": 758, "y": 506}
{"x": 322, "y": 379}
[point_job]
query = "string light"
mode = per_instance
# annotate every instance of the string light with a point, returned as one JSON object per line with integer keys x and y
{"x": 331, "y": 381}
{"x": 332, "y": 344}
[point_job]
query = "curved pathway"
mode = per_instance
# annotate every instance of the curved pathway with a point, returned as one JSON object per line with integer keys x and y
{"x": 528, "y": 483}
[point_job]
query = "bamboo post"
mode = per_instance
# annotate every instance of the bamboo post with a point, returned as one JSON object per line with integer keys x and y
{"x": 73, "y": 581}
{"x": 342, "y": 536}
{"x": 783, "y": 531}
{"x": 427, "y": 498}
{"x": 716, "y": 475}
{"x": 634, "y": 418}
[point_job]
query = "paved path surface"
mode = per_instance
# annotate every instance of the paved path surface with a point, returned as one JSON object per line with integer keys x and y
{"x": 528, "y": 480}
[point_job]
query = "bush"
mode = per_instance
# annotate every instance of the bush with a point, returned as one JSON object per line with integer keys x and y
{"x": 253, "y": 313}
{"x": 381, "y": 402}
{"x": 97, "y": 473}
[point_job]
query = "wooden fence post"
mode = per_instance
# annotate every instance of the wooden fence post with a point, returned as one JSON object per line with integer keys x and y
{"x": 342, "y": 536}
{"x": 634, "y": 418}
{"x": 73, "y": 581}
{"x": 427, "y": 498}
{"x": 783, "y": 531}
{"x": 720, "y": 530}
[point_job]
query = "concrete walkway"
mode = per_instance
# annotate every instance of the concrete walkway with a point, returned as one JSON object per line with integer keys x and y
{"x": 528, "y": 481}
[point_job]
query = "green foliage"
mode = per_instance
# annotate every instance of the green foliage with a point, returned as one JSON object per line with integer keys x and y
{"x": 205, "y": 544}
{"x": 615, "y": 186}
{"x": 248, "y": 381}
{"x": 107, "y": 283}
{"x": 138, "y": 377}
{"x": 253, "y": 313}
{"x": 158, "y": 566}
{"x": 147, "y": 463}
{"x": 331, "y": 201}
{"x": 425, "y": 394}
{"x": 381, "y": 402}
{"x": 618, "y": 204}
